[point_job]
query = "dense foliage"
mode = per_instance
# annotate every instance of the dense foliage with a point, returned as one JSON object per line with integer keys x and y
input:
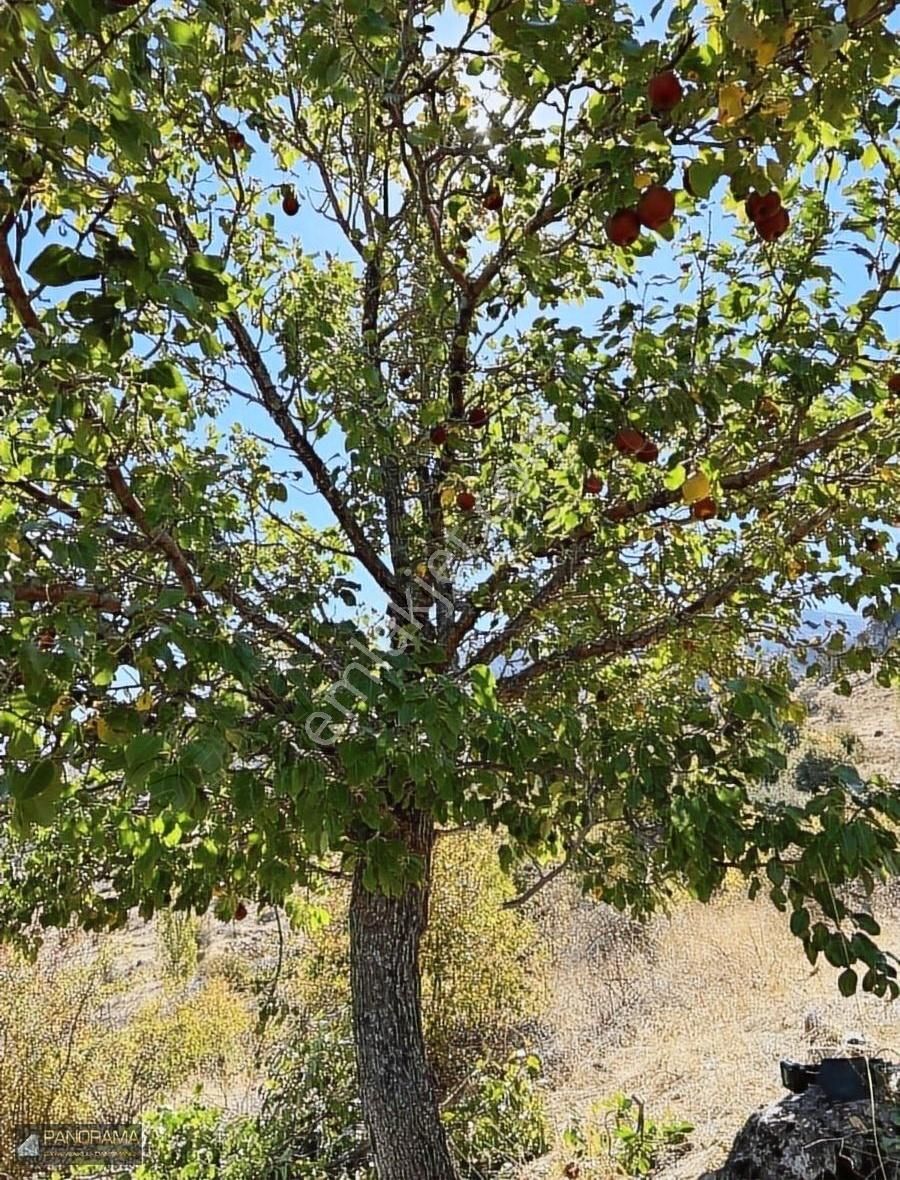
{"x": 461, "y": 505}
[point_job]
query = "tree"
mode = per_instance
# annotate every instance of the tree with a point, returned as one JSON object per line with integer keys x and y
{"x": 449, "y": 511}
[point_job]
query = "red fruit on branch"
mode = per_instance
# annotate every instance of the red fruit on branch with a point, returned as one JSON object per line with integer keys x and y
{"x": 235, "y": 139}
{"x": 629, "y": 441}
{"x": 439, "y": 434}
{"x": 493, "y": 199}
{"x": 751, "y": 206}
{"x": 593, "y": 485}
{"x": 289, "y": 204}
{"x": 623, "y": 228}
{"x": 655, "y": 207}
{"x": 240, "y": 912}
{"x": 704, "y": 509}
{"x": 478, "y": 416}
{"x": 771, "y": 228}
{"x": 768, "y": 206}
{"x": 665, "y": 91}
{"x": 893, "y": 383}
{"x": 465, "y": 501}
{"x": 648, "y": 453}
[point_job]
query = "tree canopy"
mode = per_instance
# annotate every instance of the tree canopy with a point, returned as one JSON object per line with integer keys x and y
{"x": 412, "y": 409}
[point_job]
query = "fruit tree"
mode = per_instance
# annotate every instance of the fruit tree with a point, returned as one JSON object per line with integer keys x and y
{"x": 422, "y": 416}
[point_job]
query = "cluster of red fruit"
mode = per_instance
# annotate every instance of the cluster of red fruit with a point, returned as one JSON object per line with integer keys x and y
{"x": 657, "y": 204}
{"x": 767, "y": 214}
{"x": 478, "y": 416}
{"x": 653, "y": 210}
{"x": 635, "y": 445}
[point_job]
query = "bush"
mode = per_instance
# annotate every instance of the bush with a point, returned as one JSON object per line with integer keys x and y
{"x": 311, "y": 1114}
{"x": 619, "y": 1134}
{"x": 310, "y": 1123}
{"x": 498, "y": 1122}
{"x": 200, "y": 1143}
{"x": 165, "y": 1045}
{"x": 178, "y": 940}
{"x": 50, "y": 1016}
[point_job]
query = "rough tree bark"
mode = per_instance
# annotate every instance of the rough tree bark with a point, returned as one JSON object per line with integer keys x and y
{"x": 396, "y": 1084}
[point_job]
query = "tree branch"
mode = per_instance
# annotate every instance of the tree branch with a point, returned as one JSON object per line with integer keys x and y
{"x": 513, "y": 686}
{"x": 54, "y": 593}
{"x": 158, "y": 537}
{"x": 363, "y": 549}
{"x": 741, "y": 480}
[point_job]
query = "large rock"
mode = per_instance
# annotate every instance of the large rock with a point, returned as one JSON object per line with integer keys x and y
{"x": 810, "y": 1136}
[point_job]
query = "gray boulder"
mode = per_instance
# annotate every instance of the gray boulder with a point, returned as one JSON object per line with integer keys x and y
{"x": 811, "y": 1136}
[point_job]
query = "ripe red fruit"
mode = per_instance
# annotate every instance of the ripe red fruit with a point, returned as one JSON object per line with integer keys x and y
{"x": 593, "y": 484}
{"x": 648, "y": 453}
{"x": 465, "y": 501}
{"x": 290, "y": 205}
{"x": 623, "y": 228}
{"x": 493, "y": 199}
{"x": 665, "y": 91}
{"x": 768, "y": 206}
{"x": 655, "y": 207}
{"x": 751, "y": 206}
{"x": 629, "y": 441}
{"x": 872, "y": 542}
{"x": 704, "y": 509}
{"x": 478, "y": 416}
{"x": 235, "y": 139}
{"x": 893, "y": 383}
{"x": 240, "y": 912}
{"x": 771, "y": 228}
{"x": 439, "y": 434}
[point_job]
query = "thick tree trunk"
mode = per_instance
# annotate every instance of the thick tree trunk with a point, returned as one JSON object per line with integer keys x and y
{"x": 396, "y": 1085}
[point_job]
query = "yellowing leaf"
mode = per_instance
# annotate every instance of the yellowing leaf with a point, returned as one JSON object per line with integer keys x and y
{"x": 60, "y": 705}
{"x": 642, "y": 179}
{"x": 765, "y": 53}
{"x": 421, "y": 569}
{"x": 731, "y": 102}
{"x": 14, "y": 545}
{"x": 448, "y": 497}
{"x": 695, "y": 487}
{"x": 144, "y": 703}
{"x": 104, "y": 730}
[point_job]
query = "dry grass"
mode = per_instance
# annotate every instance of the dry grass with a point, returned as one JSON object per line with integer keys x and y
{"x": 718, "y": 995}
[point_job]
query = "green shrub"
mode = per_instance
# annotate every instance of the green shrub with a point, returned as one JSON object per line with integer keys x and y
{"x": 200, "y": 1143}
{"x": 619, "y": 1133}
{"x": 311, "y": 1114}
{"x": 178, "y": 941}
{"x": 497, "y": 1123}
{"x": 310, "y": 1124}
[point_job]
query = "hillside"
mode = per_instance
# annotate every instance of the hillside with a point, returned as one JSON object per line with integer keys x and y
{"x": 693, "y": 1015}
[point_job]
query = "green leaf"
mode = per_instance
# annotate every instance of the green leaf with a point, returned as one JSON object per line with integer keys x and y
{"x": 847, "y": 982}
{"x": 41, "y": 778}
{"x": 58, "y": 265}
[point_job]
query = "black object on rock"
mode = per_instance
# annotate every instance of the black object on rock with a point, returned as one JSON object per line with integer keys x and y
{"x": 844, "y": 1079}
